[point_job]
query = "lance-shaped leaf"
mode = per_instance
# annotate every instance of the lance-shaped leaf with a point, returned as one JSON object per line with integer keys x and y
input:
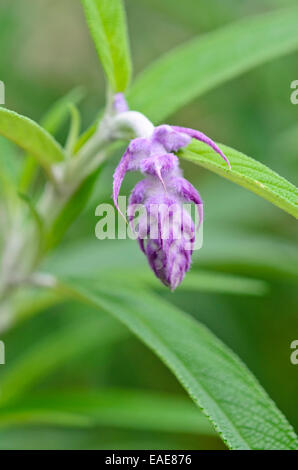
{"x": 248, "y": 173}
{"x": 127, "y": 409}
{"x": 31, "y": 137}
{"x": 210, "y": 60}
{"x": 51, "y": 122}
{"x": 9, "y": 173}
{"x": 59, "y": 112}
{"x": 216, "y": 379}
{"x": 107, "y": 24}
{"x": 207, "y": 61}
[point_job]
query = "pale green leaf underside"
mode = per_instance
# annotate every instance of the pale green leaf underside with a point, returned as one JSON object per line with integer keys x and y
{"x": 214, "y": 377}
{"x": 121, "y": 260}
{"x": 248, "y": 173}
{"x": 29, "y": 304}
{"x": 30, "y": 137}
{"x": 107, "y": 24}
{"x": 91, "y": 258}
{"x": 127, "y": 409}
{"x": 209, "y": 60}
{"x": 200, "y": 281}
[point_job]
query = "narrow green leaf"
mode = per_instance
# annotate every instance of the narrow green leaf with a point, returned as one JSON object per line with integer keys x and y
{"x": 31, "y": 137}
{"x": 9, "y": 171}
{"x": 126, "y": 409}
{"x": 107, "y": 24}
{"x": 214, "y": 377}
{"x": 257, "y": 255}
{"x": 59, "y": 112}
{"x": 84, "y": 439}
{"x": 74, "y": 130}
{"x": 210, "y": 60}
{"x": 201, "y": 281}
{"x": 87, "y": 134}
{"x": 248, "y": 173}
{"x": 30, "y": 303}
{"x": 123, "y": 261}
{"x": 28, "y": 173}
{"x": 52, "y": 351}
{"x": 9, "y": 160}
{"x": 51, "y": 122}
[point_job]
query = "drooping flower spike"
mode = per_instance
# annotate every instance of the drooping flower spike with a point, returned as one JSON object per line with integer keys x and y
{"x": 165, "y": 230}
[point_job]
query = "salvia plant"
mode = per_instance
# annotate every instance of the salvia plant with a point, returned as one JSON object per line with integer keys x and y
{"x": 34, "y": 219}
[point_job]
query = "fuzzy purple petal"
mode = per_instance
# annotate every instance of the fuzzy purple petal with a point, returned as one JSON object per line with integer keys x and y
{"x": 189, "y": 194}
{"x": 165, "y": 230}
{"x": 169, "y": 250}
{"x": 139, "y": 149}
{"x": 137, "y": 197}
{"x": 202, "y": 138}
{"x": 118, "y": 177}
{"x": 160, "y": 166}
{"x": 171, "y": 139}
{"x": 139, "y": 192}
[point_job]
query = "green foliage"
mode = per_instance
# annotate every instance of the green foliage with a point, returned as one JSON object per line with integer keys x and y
{"x": 248, "y": 173}
{"x": 31, "y": 137}
{"x": 35, "y": 217}
{"x": 210, "y": 60}
{"x": 59, "y": 112}
{"x": 9, "y": 162}
{"x": 200, "y": 281}
{"x": 128, "y": 409}
{"x": 74, "y": 130}
{"x": 107, "y": 23}
{"x": 256, "y": 254}
{"x": 265, "y": 256}
{"x": 51, "y": 122}
{"x": 123, "y": 262}
{"x": 213, "y": 376}
{"x": 73, "y": 346}
{"x": 9, "y": 173}
{"x": 52, "y": 351}
{"x": 70, "y": 211}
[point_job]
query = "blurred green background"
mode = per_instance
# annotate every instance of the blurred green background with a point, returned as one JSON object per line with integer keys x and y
{"x": 45, "y": 51}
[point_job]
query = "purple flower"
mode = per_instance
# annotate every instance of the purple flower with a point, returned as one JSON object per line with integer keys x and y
{"x": 165, "y": 230}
